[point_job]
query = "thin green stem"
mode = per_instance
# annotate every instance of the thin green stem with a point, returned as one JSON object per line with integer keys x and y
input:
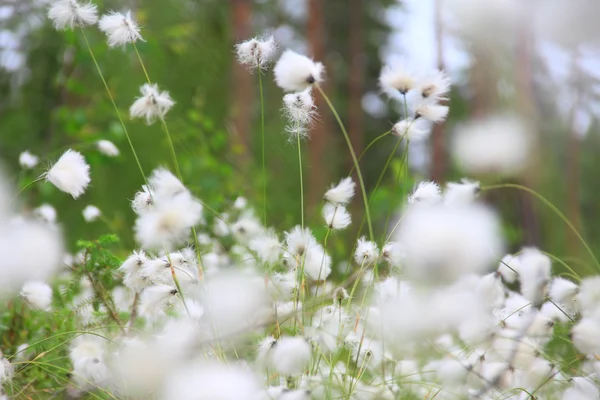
{"x": 172, "y": 147}
{"x": 137, "y": 160}
{"x": 354, "y": 159}
{"x": 551, "y": 206}
{"x": 40, "y": 178}
{"x": 262, "y": 140}
{"x": 301, "y": 182}
{"x": 369, "y": 146}
{"x": 404, "y": 171}
{"x": 141, "y": 62}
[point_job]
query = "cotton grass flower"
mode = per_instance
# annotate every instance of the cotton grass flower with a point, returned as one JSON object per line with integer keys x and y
{"x": 426, "y": 193}
{"x": 69, "y": 14}
{"x": 432, "y": 112}
{"x": 299, "y": 108}
{"x": 435, "y": 86}
{"x": 70, "y": 174}
{"x": 28, "y": 160}
{"x": 291, "y": 355}
{"x": 498, "y": 144}
{"x": 119, "y": 28}
{"x": 256, "y": 53}
{"x": 396, "y": 81}
{"x": 411, "y": 129}
{"x": 46, "y": 213}
{"x": 152, "y": 105}
{"x": 91, "y": 213}
{"x": 336, "y": 217}
{"x": 38, "y": 295}
{"x": 107, "y": 148}
{"x": 295, "y": 72}
{"x": 366, "y": 252}
{"x": 342, "y": 193}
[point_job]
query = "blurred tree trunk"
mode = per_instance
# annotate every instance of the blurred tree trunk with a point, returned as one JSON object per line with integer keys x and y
{"x": 356, "y": 86}
{"x": 573, "y": 161}
{"x": 241, "y": 85}
{"x": 317, "y": 172}
{"x": 438, "y": 145}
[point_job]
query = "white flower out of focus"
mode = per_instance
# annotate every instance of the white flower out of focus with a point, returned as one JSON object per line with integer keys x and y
{"x": 37, "y": 294}
{"x": 152, "y": 105}
{"x": 107, "y": 148}
{"x": 91, "y": 213}
{"x": 69, "y": 14}
{"x": 498, "y": 144}
{"x": 28, "y": 160}
{"x": 443, "y": 243}
{"x": 295, "y": 72}
{"x": 70, "y": 173}
{"x": 119, "y": 28}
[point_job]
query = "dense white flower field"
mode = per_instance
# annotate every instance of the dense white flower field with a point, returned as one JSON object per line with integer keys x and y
{"x": 216, "y": 305}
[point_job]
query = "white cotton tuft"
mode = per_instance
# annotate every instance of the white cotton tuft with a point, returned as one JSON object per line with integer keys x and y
{"x": 211, "y": 382}
{"x": 152, "y": 104}
{"x": 317, "y": 263}
{"x": 70, "y": 14}
{"x": 295, "y": 72}
{"x": 299, "y": 108}
{"x": 461, "y": 193}
{"x": 434, "y": 86}
{"x": 38, "y": 295}
{"x": 107, "y": 148}
{"x": 585, "y": 336}
{"x": 142, "y": 201}
{"x": 291, "y": 355}
{"x": 432, "y": 112}
{"x": 91, "y": 213}
{"x": 563, "y": 292}
{"x": 396, "y": 81}
{"x": 509, "y": 268}
{"x": 298, "y": 240}
{"x": 336, "y": 217}
{"x": 45, "y": 213}
{"x": 498, "y": 144}
{"x": 342, "y": 193}
{"x": 70, "y": 174}
{"x": 366, "y": 252}
{"x": 87, "y": 354}
{"x": 267, "y": 247}
{"x": 256, "y": 53}
{"x": 411, "y": 129}
{"x": 28, "y": 160}
{"x": 535, "y": 269}
{"x": 119, "y": 28}
{"x": 589, "y": 296}
{"x": 426, "y": 193}
{"x": 155, "y": 299}
{"x": 443, "y": 243}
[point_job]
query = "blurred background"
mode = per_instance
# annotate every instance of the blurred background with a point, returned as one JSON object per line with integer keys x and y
{"x": 535, "y": 60}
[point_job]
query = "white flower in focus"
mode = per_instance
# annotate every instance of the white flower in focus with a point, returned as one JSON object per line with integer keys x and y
{"x": 299, "y": 108}
{"x": 299, "y": 240}
{"x": 256, "y": 53}
{"x": 46, "y": 213}
{"x": 142, "y": 201}
{"x": 498, "y": 144}
{"x": 426, "y": 193}
{"x": 119, "y": 28}
{"x": 336, "y": 217}
{"x": 291, "y": 355}
{"x": 152, "y": 104}
{"x": 70, "y": 173}
{"x": 107, "y": 148}
{"x": 342, "y": 193}
{"x": 366, "y": 252}
{"x": 91, "y": 213}
{"x": 411, "y": 129}
{"x": 295, "y": 72}
{"x": 37, "y": 294}
{"x": 70, "y": 14}
{"x": 433, "y": 112}
{"x": 461, "y": 193}
{"x": 28, "y": 160}
{"x": 396, "y": 81}
{"x": 435, "y": 86}
{"x": 443, "y": 243}
{"x": 211, "y": 382}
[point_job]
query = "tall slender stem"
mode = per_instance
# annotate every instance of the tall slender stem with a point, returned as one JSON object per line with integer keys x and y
{"x": 368, "y": 147}
{"x": 404, "y": 171}
{"x": 262, "y": 140}
{"x": 551, "y": 206}
{"x": 301, "y": 182}
{"x": 112, "y": 100}
{"x": 354, "y": 159}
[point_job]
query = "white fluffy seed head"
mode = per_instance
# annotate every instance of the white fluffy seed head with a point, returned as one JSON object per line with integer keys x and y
{"x": 291, "y": 355}
{"x": 152, "y": 104}
{"x": 70, "y": 174}
{"x": 336, "y": 217}
{"x": 28, "y": 160}
{"x": 585, "y": 336}
{"x": 298, "y": 240}
{"x": 434, "y": 86}
{"x": 119, "y": 28}
{"x": 508, "y": 268}
{"x": 589, "y": 296}
{"x": 256, "y": 53}
{"x": 499, "y": 144}
{"x": 432, "y": 112}
{"x": 396, "y": 81}
{"x": 68, "y": 14}
{"x": 37, "y": 294}
{"x": 91, "y": 213}
{"x": 366, "y": 252}
{"x": 461, "y": 193}
{"x": 342, "y": 193}
{"x": 535, "y": 269}
{"x": 295, "y": 72}
{"x": 45, "y": 213}
{"x": 267, "y": 247}
{"x": 107, "y": 148}
{"x": 443, "y": 243}
{"x": 299, "y": 108}
{"x": 426, "y": 193}
{"x": 411, "y": 129}
{"x": 143, "y": 201}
